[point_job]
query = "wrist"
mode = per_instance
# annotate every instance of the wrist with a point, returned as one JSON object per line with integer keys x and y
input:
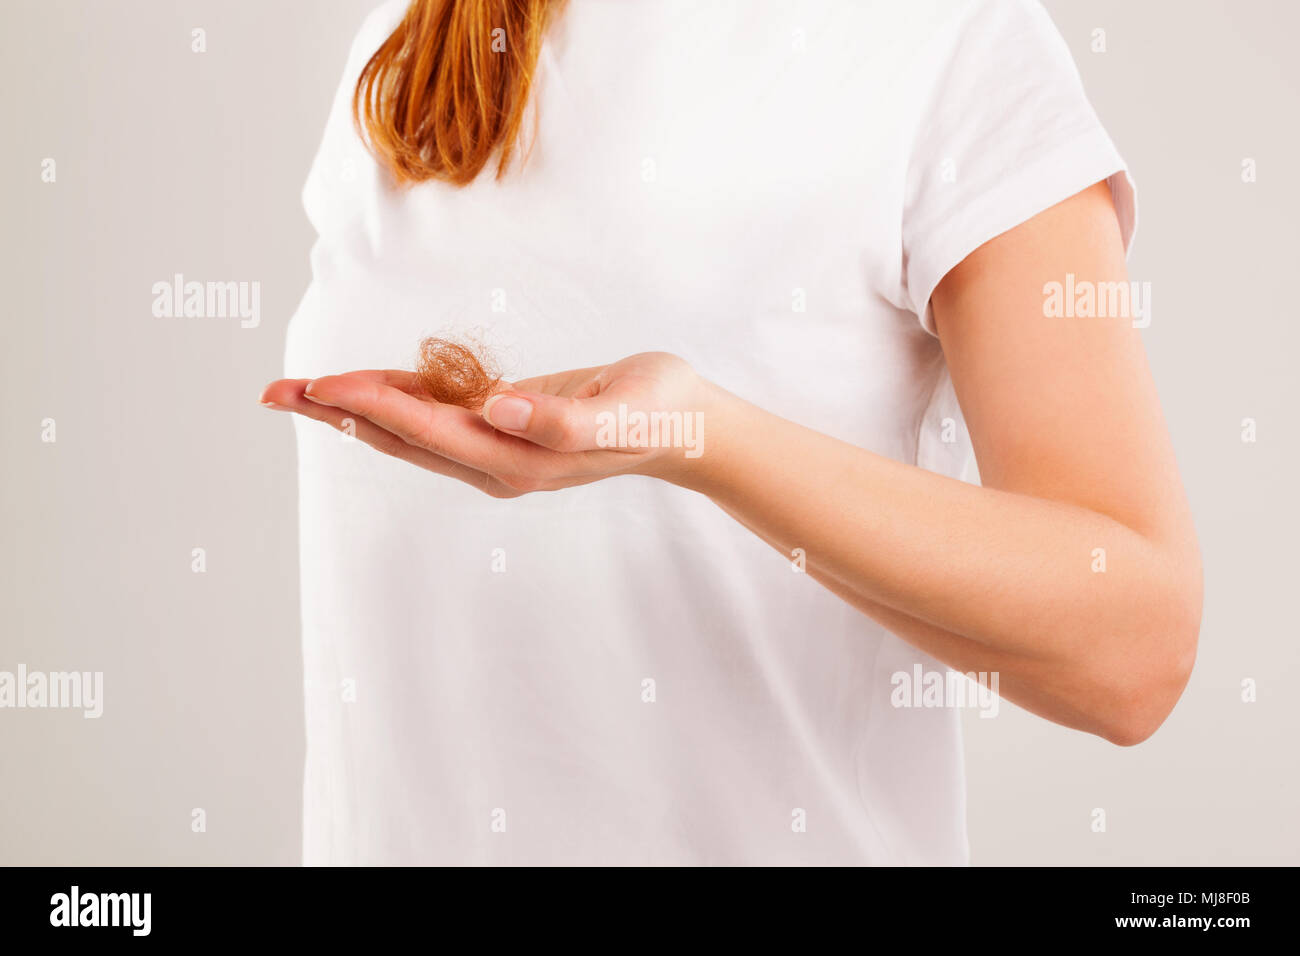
{"x": 708, "y": 431}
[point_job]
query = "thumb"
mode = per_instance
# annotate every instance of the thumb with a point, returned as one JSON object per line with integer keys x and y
{"x": 562, "y": 424}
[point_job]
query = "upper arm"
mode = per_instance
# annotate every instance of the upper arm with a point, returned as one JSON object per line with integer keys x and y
{"x": 1060, "y": 407}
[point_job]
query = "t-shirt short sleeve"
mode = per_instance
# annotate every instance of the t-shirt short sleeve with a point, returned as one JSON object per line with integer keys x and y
{"x": 1005, "y": 131}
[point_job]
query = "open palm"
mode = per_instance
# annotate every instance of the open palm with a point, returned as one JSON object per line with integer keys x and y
{"x": 539, "y": 434}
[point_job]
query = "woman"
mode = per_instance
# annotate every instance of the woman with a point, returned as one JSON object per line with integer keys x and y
{"x": 825, "y": 240}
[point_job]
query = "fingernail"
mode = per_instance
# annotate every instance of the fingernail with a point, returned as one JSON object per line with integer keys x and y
{"x": 278, "y": 408}
{"x": 508, "y": 412}
{"x": 307, "y": 394}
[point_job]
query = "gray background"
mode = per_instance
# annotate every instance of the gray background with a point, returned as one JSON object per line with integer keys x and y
{"x": 170, "y": 161}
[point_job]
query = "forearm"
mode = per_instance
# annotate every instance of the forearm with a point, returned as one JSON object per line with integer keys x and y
{"x": 980, "y": 578}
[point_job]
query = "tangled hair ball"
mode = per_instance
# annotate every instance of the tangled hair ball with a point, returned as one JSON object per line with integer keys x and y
{"x": 453, "y": 373}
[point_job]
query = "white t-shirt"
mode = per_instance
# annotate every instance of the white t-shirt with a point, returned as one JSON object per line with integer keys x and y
{"x": 620, "y": 672}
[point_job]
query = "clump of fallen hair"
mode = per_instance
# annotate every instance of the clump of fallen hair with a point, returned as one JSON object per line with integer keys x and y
{"x": 454, "y": 373}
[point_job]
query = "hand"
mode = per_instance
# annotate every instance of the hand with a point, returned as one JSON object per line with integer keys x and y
{"x": 642, "y": 415}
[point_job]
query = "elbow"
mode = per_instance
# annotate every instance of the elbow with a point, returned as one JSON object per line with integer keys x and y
{"x": 1139, "y": 707}
{"x": 1149, "y": 674}
{"x": 1131, "y": 725}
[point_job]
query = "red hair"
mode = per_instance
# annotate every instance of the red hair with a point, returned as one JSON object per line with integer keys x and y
{"x": 454, "y": 373}
{"x": 449, "y": 87}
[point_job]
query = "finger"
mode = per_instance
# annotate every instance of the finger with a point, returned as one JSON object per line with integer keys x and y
{"x": 281, "y": 394}
{"x": 552, "y": 421}
{"x": 398, "y": 378}
{"x": 287, "y": 395}
{"x": 576, "y": 383}
{"x": 447, "y": 430}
